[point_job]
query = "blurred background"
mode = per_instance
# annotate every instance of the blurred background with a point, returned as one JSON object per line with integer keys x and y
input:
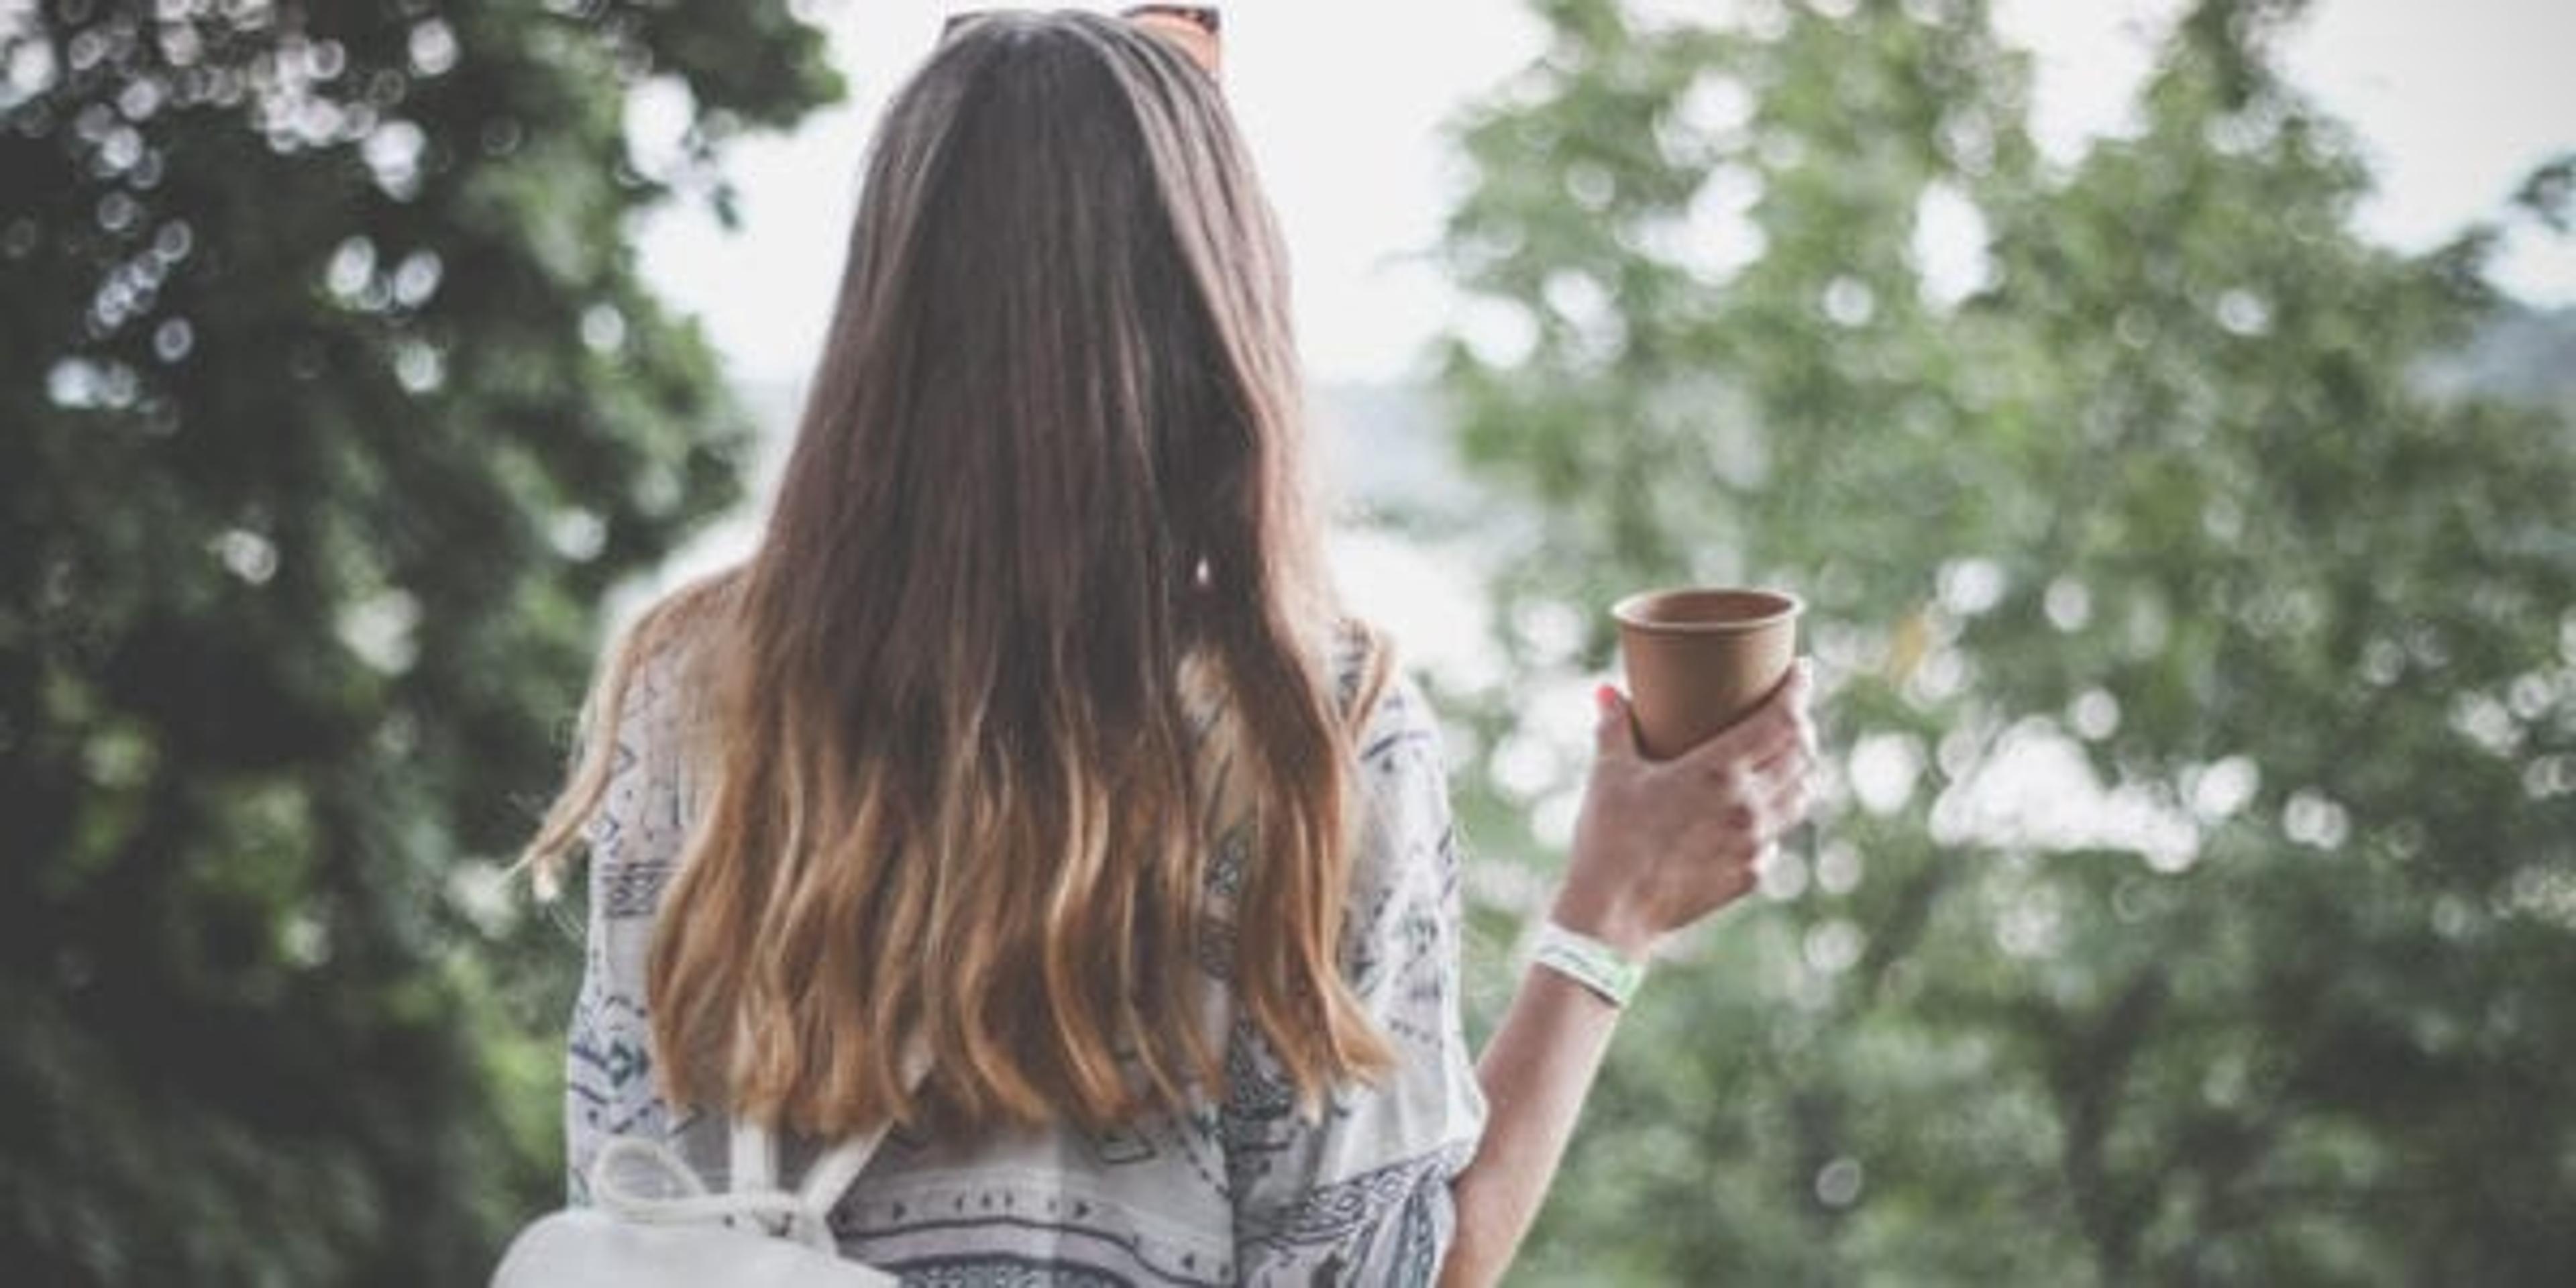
{"x": 2168, "y": 408}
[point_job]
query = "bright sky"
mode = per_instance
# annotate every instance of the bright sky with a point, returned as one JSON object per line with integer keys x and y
{"x": 1344, "y": 101}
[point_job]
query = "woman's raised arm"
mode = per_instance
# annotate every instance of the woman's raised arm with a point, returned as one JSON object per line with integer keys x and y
{"x": 1660, "y": 845}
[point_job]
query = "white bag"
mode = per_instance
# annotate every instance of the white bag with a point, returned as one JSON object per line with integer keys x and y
{"x": 755, "y": 1235}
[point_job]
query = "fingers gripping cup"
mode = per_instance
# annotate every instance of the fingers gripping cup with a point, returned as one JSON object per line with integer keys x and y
{"x": 1698, "y": 660}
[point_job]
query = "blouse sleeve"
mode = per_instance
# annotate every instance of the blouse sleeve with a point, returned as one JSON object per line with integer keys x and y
{"x": 1361, "y": 1196}
{"x": 634, "y": 846}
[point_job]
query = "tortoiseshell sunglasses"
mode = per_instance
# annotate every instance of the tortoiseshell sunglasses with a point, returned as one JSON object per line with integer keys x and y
{"x": 1197, "y": 29}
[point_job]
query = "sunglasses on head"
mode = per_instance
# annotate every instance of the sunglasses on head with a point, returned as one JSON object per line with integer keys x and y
{"x": 1197, "y": 29}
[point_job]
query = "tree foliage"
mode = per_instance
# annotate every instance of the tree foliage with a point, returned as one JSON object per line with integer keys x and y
{"x": 2198, "y": 899}
{"x": 330, "y": 404}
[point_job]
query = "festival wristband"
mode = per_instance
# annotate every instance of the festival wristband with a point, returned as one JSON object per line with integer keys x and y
{"x": 1589, "y": 962}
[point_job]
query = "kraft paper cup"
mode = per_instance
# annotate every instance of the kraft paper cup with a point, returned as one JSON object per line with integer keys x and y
{"x": 1699, "y": 659}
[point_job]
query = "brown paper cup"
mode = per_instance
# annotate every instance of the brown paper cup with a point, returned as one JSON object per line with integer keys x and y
{"x": 1698, "y": 660}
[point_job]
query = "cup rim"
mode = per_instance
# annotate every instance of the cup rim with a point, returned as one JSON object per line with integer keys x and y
{"x": 1782, "y": 606}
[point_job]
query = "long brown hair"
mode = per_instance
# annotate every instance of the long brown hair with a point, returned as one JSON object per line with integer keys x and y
{"x": 1044, "y": 499}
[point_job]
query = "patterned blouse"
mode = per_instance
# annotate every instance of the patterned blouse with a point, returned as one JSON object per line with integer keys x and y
{"x": 1237, "y": 1189}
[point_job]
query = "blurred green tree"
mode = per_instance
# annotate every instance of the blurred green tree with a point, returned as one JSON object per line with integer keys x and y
{"x": 330, "y": 405}
{"x": 2197, "y": 903}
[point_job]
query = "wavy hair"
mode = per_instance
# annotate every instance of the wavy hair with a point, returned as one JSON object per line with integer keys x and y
{"x": 1039, "y": 575}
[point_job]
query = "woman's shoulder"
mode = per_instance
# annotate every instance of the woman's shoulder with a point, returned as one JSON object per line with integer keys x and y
{"x": 1382, "y": 704}
{"x": 673, "y": 648}
{"x": 1360, "y": 662}
{"x": 1400, "y": 782}
{"x": 651, "y": 710}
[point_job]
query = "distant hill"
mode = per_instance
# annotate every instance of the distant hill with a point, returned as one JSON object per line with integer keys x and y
{"x": 1384, "y": 454}
{"x": 2526, "y": 356}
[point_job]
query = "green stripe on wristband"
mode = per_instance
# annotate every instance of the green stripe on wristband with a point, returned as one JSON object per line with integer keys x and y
{"x": 1589, "y": 962}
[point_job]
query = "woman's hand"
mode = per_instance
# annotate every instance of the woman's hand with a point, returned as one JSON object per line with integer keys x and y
{"x": 1661, "y": 844}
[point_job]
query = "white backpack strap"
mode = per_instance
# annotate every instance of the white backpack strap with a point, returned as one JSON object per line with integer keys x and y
{"x": 753, "y": 1151}
{"x": 831, "y": 1174}
{"x": 678, "y": 1197}
{"x": 752, "y": 1158}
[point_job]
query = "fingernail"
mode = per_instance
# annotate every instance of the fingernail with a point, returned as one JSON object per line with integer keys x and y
{"x": 1606, "y": 698}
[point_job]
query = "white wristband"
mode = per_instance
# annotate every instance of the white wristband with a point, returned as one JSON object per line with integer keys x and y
{"x": 1589, "y": 962}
